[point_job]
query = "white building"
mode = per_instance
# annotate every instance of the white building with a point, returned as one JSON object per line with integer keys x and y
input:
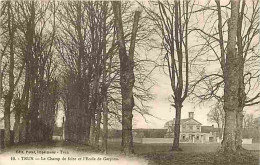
{"x": 192, "y": 130}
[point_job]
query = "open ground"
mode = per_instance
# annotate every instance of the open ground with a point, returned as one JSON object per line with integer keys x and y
{"x": 201, "y": 154}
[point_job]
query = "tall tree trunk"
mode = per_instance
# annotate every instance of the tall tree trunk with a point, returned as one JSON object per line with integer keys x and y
{"x": 16, "y": 129}
{"x": 105, "y": 103}
{"x": 104, "y": 86}
{"x": 241, "y": 89}
{"x": 105, "y": 120}
{"x": 86, "y": 105}
{"x": 176, "y": 140}
{"x": 17, "y": 110}
{"x": 34, "y": 113}
{"x": 1, "y": 79}
{"x": 66, "y": 122}
{"x": 97, "y": 101}
{"x": 24, "y": 103}
{"x": 94, "y": 108}
{"x": 231, "y": 82}
{"x": 79, "y": 69}
{"x": 7, "y": 124}
{"x": 239, "y": 122}
{"x": 229, "y": 138}
{"x": 9, "y": 96}
{"x": 30, "y": 71}
{"x": 127, "y": 78}
{"x": 97, "y": 134}
{"x": 92, "y": 128}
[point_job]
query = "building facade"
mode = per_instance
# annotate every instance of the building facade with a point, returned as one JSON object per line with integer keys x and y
{"x": 191, "y": 131}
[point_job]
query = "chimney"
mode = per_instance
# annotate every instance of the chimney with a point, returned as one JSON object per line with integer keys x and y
{"x": 191, "y": 115}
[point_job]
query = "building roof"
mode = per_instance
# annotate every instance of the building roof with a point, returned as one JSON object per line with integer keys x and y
{"x": 207, "y": 129}
{"x": 186, "y": 121}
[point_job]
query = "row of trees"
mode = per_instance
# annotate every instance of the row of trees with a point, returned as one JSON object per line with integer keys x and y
{"x": 250, "y": 123}
{"x": 97, "y": 84}
{"x": 85, "y": 54}
{"x": 80, "y": 54}
{"x": 31, "y": 92}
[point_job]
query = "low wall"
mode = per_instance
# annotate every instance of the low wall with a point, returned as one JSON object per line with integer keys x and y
{"x": 138, "y": 140}
{"x": 56, "y": 137}
{"x": 114, "y": 140}
{"x": 153, "y": 140}
{"x": 247, "y": 141}
{"x": 166, "y": 140}
{"x": 150, "y": 140}
{"x": 145, "y": 140}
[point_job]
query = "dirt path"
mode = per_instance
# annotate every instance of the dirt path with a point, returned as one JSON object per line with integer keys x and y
{"x": 62, "y": 154}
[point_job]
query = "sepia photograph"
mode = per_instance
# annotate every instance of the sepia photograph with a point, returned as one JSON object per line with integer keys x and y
{"x": 129, "y": 82}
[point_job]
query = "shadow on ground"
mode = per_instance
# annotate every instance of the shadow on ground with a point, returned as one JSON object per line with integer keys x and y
{"x": 198, "y": 154}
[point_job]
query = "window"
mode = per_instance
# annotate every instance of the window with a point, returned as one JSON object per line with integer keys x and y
{"x": 190, "y": 127}
{"x": 183, "y": 137}
{"x": 198, "y": 137}
{"x": 183, "y": 127}
{"x": 198, "y": 127}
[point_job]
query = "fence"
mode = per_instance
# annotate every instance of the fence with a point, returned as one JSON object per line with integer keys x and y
{"x": 247, "y": 141}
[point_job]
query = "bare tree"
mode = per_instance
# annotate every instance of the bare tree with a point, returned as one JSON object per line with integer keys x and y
{"x": 217, "y": 115}
{"x": 33, "y": 52}
{"x": 105, "y": 79}
{"x": 172, "y": 25}
{"x": 84, "y": 62}
{"x": 231, "y": 82}
{"x": 127, "y": 77}
{"x": 243, "y": 50}
{"x": 73, "y": 50}
{"x": 10, "y": 93}
{"x": 246, "y": 49}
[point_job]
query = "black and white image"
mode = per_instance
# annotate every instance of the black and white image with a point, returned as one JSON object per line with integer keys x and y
{"x": 171, "y": 82}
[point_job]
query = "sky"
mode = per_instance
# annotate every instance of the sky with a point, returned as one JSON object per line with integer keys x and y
{"x": 161, "y": 109}
{"x": 163, "y": 112}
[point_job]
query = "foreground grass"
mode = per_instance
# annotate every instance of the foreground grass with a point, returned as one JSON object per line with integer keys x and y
{"x": 159, "y": 154}
{"x": 202, "y": 158}
{"x": 198, "y": 154}
{"x": 192, "y": 154}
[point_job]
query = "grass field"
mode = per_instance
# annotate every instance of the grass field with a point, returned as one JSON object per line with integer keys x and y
{"x": 186, "y": 147}
{"x": 194, "y": 154}
{"x": 198, "y": 154}
{"x": 202, "y": 158}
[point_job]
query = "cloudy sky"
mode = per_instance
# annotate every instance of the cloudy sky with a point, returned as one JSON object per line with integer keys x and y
{"x": 161, "y": 109}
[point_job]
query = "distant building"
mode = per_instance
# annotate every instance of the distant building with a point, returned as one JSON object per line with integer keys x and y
{"x": 149, "y": 133}
{"x": 191, "y": 130}
{"x": 139, "y": 133}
